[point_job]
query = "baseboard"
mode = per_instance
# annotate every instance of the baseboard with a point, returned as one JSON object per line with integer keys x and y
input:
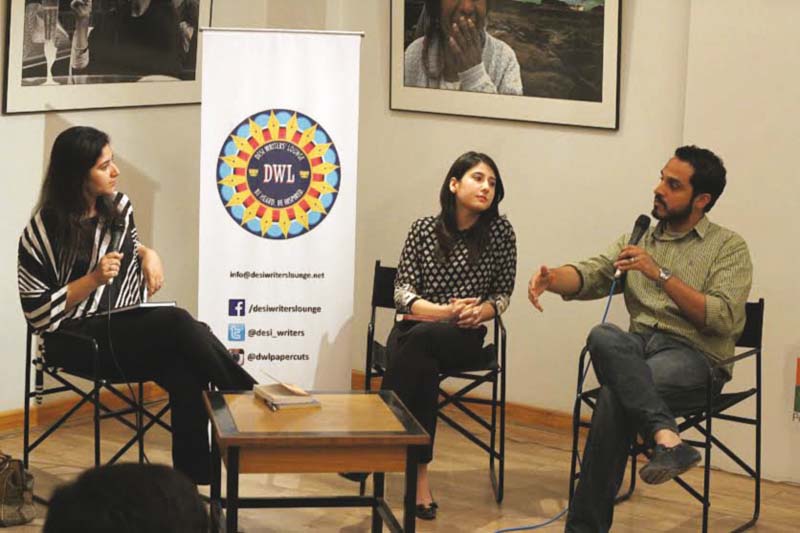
{"x": 518, "y": 413}
{"x": 54, "y": 407}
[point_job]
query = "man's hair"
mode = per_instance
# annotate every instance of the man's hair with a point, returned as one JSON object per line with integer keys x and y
{"x": 127, "y": 498}
{"x": 709, "y": 172}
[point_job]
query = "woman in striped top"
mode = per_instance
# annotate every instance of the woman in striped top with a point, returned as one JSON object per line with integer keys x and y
{"x": 456, "y": 271}
{"x": 69, "y": 278}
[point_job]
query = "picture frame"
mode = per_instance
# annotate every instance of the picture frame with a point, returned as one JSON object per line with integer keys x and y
{"x": 549, "y": 61}
{"x": 47, "y": 69}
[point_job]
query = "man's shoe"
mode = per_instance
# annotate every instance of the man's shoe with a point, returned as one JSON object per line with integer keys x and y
{"x": 358, "y": 477}
{"x": 667, "y": 463}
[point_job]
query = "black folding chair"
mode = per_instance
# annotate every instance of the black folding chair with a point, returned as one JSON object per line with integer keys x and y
{"x": 696, "y": 417}
{"x": 36, "y": 356}
{"x": 491, "y": 371}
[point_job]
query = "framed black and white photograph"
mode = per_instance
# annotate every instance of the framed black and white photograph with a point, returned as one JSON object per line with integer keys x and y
{"x": 554, "y": 61}
{"x": 83, "y": 54}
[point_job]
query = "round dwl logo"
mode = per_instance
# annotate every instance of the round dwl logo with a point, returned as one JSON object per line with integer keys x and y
{"x": 278, "y": 174}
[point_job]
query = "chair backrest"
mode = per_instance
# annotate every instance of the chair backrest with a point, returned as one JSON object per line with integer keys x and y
{"x": 753, "y": 326}
{"x": 383, "y": 286}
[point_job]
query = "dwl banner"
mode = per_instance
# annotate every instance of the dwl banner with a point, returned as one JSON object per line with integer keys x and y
{"x": 279, "y": 140}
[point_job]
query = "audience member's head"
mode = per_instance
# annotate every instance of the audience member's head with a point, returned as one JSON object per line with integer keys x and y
{"x": 127, "y": 498}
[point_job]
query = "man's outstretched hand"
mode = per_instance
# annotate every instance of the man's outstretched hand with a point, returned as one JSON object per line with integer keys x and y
{"x": 538, "y": 284}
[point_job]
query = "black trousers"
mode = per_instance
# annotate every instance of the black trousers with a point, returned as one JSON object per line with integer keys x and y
{"x": 417, "y": 352}
{"x": 168, "y": 346}
{"x": 643, "y": 377}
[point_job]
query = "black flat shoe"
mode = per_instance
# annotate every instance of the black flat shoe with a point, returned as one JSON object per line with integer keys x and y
{"x": 426, "y": 512}
{"x": 358, "y": 477}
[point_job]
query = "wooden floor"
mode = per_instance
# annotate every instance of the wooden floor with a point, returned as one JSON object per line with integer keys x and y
{"x": 536, "y": 487}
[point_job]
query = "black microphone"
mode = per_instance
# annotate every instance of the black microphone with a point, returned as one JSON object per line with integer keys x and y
{"x": 641, "y": 225}
{"x": 117, "y": 232}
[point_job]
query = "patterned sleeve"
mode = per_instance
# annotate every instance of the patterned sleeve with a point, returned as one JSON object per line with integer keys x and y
{"x": 42, "y": 289}
{"x": 407, "y": 281}
{"x": 505, "y": 254}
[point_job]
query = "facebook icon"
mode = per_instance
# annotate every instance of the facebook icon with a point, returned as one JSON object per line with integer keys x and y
{"x": 235, "y": 332}
{"x": 236, "y": 307}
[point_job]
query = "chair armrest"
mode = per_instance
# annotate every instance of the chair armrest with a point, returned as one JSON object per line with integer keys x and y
{"x": 716, "y": 365}
{"x": 500, "y": 324}
{"x": 739, "y": 357}
{"x": 583, "y": 369}
{"x": 582, "y": 358}
{"x": 71, "y": 340}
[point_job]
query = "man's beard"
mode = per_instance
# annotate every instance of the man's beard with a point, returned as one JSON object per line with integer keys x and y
{"x": 672, "y": 216}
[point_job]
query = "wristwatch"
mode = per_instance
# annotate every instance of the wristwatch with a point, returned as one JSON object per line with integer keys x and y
{"x": 663, "y": 275}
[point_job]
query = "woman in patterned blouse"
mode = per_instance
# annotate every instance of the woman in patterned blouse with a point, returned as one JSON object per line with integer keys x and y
{"x": 69, "y": 279}
{"x": 456, "y": 271}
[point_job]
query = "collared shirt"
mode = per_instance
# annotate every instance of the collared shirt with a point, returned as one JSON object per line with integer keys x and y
{"x": 709, "y": 258}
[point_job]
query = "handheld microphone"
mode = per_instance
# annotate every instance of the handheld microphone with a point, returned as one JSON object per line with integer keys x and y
{"x": 641, "y": 225}
{"x": 117, "y": 232}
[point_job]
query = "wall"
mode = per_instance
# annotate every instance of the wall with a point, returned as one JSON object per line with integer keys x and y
{"x": 741, "y": 98}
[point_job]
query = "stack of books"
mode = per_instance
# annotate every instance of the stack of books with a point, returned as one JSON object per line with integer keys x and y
{"x": 284, "y": 396}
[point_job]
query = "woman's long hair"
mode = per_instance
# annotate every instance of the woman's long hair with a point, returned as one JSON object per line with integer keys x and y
{"x": 446, "y": 228}
{"x": 75, "y": 151}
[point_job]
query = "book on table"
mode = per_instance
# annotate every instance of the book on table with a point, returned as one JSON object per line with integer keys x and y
{"x": 284, "y": 396}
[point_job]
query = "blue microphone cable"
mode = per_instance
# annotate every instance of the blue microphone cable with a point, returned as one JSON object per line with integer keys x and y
{"x": 583, "y": 378}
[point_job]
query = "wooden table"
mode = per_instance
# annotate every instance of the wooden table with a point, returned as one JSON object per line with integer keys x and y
{"x": 351, "y": 432}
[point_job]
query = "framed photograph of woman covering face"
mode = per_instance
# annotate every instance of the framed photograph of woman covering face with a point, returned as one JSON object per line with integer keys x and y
{"x": 554, "y": 61}
{"x": 83, "y": 54}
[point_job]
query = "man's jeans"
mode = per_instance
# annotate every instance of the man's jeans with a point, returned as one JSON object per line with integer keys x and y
{"x": 641, "y": 377}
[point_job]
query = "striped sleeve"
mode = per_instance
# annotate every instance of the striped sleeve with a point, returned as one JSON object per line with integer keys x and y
{"x": 42, "y": 291}
{"x": 132, "y": 288}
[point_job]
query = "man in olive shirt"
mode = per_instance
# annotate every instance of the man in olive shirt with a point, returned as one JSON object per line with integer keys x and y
{"x": 686, "y": 288}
